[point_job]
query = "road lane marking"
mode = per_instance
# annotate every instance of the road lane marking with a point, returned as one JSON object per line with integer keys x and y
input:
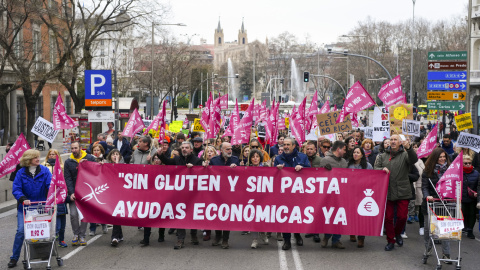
{"x": 78, "y": 249}
{"x": 281, "y": 255}
{"x": 296, "y": 258}
{"x": 8, "y": 213}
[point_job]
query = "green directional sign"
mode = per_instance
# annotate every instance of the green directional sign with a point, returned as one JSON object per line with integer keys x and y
{"x": 446, "y": 105}
{"x": 447, "y": 55}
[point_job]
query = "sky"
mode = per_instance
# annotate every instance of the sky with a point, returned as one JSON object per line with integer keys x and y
{"x": 322, "y": 21}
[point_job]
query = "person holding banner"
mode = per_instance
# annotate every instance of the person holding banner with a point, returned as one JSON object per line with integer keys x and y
{"x": 291, "y": 157}
{"x": 471, "y": 178}
{"x": 435, "y": 166}
{"x": 115, "y": 156}
{"x": 31, "y": 184}
{"x": 396, "y": 161}
{"x": 70, "y": 171}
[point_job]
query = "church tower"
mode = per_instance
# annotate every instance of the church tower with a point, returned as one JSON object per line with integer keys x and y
{"x": 242, "y": 35}
{"x": 219, "y": 38}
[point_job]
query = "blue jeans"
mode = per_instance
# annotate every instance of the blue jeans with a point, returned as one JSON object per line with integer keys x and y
{"x": 60, "y": 227}
{"x": 335, "y": 238}
{"x": 19, "y": 236}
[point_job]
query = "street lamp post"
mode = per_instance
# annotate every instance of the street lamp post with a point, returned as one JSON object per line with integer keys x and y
{"x": 363, "y": 56}
{"x": 411, "y": 54}
{"x": 325, "y": 76}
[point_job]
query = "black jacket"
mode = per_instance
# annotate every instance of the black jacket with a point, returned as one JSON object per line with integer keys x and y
{"x": 220, "y": 161}
{"x": 181, "y": 160}
{"x": 413, "y": 176}
{"x": 70, "y": 169}
{"x": 125, "y": 150}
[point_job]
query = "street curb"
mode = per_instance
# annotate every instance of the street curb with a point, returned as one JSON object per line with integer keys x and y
{"x": 8, "y": 205}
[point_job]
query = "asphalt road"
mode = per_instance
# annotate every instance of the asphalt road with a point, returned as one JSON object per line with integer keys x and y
{"x": 98, "y": 254}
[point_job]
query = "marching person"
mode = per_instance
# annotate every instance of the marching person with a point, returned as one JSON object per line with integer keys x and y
{"x": 396, "y": 160}
{"x": 224, "y": 159}
{"x": 186, "y": 158}
{"x": 115, "y": 156}
{"x": 99, "y": 153}
{"x": 31, "y": 184}
{"x": 70, "y": 172}
{"x": 314, "y": 160}
{"x": 471, "y": 178}
{"x": 123, "y": 145}
{"x": 291, "y": 157}
{"x": 334, "y": 159}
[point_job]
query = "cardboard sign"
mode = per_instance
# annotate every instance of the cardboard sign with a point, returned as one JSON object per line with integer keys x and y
{"x": 327, "y": 125}
{"x": 464, "y": 121}
{"x": 367, "y": 132}
{"x": 44, "y": 129}
{"x": 176, "y": 126}
{"x": 411, "y": 127}
{"x": 287, "y": 122}
{"x": 447, "y": 226}
{"x": 468, "y": 140}
{"x": 397, "y": 113}
{"x": 381, "y": 124}
{"x": 197, "y": 127}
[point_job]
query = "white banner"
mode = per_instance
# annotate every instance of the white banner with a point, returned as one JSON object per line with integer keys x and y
{"x": 411, "y": 127}
{"x": 381, "y": 124}
{"x": 37, "y": 230}
{"x": 44, "y": 129}
{"x": 468, "y": 140}
{"x": 101, "y": 116}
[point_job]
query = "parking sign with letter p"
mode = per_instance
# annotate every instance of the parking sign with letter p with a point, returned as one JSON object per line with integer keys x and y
{"x": 98, "y": 88}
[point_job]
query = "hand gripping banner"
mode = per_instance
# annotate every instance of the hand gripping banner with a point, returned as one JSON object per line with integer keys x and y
{"x": 314, "y": 200}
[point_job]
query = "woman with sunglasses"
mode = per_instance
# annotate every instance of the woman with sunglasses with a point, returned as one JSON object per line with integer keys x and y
{"x": 469, "y": 199}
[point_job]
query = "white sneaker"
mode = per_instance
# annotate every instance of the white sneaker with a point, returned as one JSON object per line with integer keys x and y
{"x": 404, "y": 236}
{"x": 114, "y": 242}
{"x": 421, "y": 231}
{"x": 264, "y": 238}
{"x": 254, "y": 243}
{"x": 91, "y": 233}
{"x": 105, "y": 229}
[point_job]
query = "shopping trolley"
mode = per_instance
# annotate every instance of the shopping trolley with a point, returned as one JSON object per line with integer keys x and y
{"x": 446, "y": 223}
{"x": 39, "y": 229}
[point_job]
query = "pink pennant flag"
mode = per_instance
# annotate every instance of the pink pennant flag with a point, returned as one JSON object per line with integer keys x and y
{"x": 335, "y": 108}
{"x": 354, "y": 120}
{"x": 256, "y": 112}
{"x": 60, "y": 118}
{"x": 263, "y": 110}
{"x": 215, "y": 118}
{"x": 242, "y": 133}
{"x": 269, "y": 127}
{"x": 223, "y": 102}
{"x": 281, "y": 123}
{"x": 12, "y": 158}
{"x": 446, "y": 186}
{"x": 325, "y": 108}
{"x": 234, "y": 121}
{"x": 357, "y": 100}
{"x": 391, "y": 92}
{"x": 311, "y": 118}
{"x": 298, "y": 123}
{"x": 134, "y": 125}
{"x": 428, "y": 144}
{"x": 275, "y": 128}
{"x": 205, "y": 119}
{"x": 162, "y": 123}
{"x": 57, "y": 193}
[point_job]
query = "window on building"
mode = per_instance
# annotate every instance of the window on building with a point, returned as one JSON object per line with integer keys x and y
{"x": 53, "y": 50}
{"x": 124, "y": 62}
{"x": 124, "y": 52}
{"x": 102, "y": 42}
{"x": 21, "y": 126}
{"x": 219, "y": 40}
{"x": 102, "y": 61}
{"x": 125, "y": 43}
{"x": 102, "y": 52}
{"x": 37, "y": 44}
{"x": 243, "y": 40}
{"x": 17, "y": 45}
{"x": 52, "y": 105}
{"x": 39, "y": 107}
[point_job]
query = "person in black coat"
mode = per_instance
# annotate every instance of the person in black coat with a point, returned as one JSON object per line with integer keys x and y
{"x": 123, "y": 145}
{"x": 469, "y": 210}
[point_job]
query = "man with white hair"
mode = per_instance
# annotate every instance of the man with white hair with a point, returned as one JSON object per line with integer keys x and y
{"x": 396, "y": 160}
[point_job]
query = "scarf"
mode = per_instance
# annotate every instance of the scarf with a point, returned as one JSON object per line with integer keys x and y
{"x": 440, "y": 169}
{"x": 367, "y": 152}
{"x": 467, "y": 170}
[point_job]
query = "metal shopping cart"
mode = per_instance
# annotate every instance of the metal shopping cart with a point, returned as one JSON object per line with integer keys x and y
{"x": 40, "y": 241}
{"x": 446, "y": 223}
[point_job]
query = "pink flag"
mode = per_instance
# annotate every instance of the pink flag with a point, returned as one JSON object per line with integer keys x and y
{"x": 335, "y": 108}
{"x": 326, "y": 107}
{"x": 263, "y": 110}
{"x": 60, "y": 118}
{"x": 57, "y": 193}
{"x": 357, "y": 100}
{"x": 428, "y": 144}
{"x": 156, "y": 121}
{"x": 281, "y": 123}
{"x": 242, "y": 133}
{"x": 162, "y": 123}
{"x": 234, "y": 121}
{"x": 256, "y": 113}
{"x": 298, "y": 123}
{"x": 311, "y": 118}
{"x": 354, "y": 120}
{"x": 446, "y": 186}
{"x": 134, "y": 125}
{"x": 205, "y": 119}
{"x": 269, "y": 127}
{"x": 391, "y": 92}
{"x": 12, "y": 158}
{"x": 275, "y": 129}
{"x": 215, "y": 117}
{"x": 223, "y": 102}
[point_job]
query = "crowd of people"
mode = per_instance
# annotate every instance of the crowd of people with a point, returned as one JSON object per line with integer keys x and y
{"x": 411, "y": 180}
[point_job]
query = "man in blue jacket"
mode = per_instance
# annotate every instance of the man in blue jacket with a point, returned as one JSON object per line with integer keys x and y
{"x": 123, "y": 145}
{"x": 294, "y": 159}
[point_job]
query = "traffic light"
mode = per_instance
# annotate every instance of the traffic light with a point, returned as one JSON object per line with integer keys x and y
{"x": 306, "y": 76}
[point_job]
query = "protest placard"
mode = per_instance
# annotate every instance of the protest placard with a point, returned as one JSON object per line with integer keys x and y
{"x": 468, "y": 140}
{"x": 176, "y": 126}
{"x": 44, "y": 129}
{"x": 381, "y": 124}
{"x": 464, "y": 121}
{"x": 327, "y": 125}
{"x": 367, "y": 132}
{"x": 397, "y": 113}
{"x": 411, "y": 127}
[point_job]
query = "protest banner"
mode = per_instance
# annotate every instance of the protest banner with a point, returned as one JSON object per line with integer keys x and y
{"x": 12, "y": 158}
{"x": 467, "y": 140}
{"x": 411, "y": 127}
{"x": 391, "y": 92}
{"x": 464, "y": 121}
{"x": 430, "y": 143}
{"x": 367, "y": 132}
{"x": 327, "y": 123}
{"x": 447, "y": 185}
{"x": 44, "y": 129}
{"x": 381, "y": 124}
{"x": 397, "y": 113}
{"x": 176, "y": 126}
{"x": 315, "y": 200}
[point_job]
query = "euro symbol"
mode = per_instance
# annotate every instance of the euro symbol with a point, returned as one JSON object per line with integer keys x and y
{"x": 368, "y": 206}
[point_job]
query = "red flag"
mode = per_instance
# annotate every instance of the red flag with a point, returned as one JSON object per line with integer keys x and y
{"x": 57, "y": 193}
{"x": 242, "y": 133}
{"x": 234, "y": 121}
{"x": 60, "y": 118}
{"x": 446, "y": 186}
{"x": 298, "y": 123}
{"x": 357, "y": 100}
{"x": 326, "y": 107}
{"x": 134, "y": 125}
{"x": 391, "y": 92}
{"x": 430, "y": 143}
{"x": 12, "y": 158}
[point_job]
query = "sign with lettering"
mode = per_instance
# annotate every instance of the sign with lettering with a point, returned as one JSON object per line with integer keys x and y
{"x": 327, "y": 123}
{"x": 445, "y": 105}
{"x": 381, "y": 124}
{"x": 464, "y": 121}
{"x": 447, "y": 55}
{"x": 45, "y": 130}
{"x": 37, "y": 230}
{"x": 447, "y": 86}
{"x": 411, "y": 127}
{"x": 446, "y": 75}
{"x": 446, "y": 95}
{"x": 399, "y": 112}
{"x": 98, "y": 88}
{"x": 452, "y": 65}
{"x": 468, "y": 140}
{"x": 197, "y": 127}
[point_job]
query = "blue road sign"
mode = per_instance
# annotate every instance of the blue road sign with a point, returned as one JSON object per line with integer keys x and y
{"x": 446, "y": 86}
{"x": 98, "y": 88}
{"x": 447, "y": 75}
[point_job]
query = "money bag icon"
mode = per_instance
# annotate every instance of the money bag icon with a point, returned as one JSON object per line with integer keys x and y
{"x": 368, "y": 207}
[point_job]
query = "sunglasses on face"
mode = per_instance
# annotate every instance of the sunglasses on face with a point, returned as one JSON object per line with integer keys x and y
{"x": 254, "y": 146}
{"x": 326, "y": 147}
{"x": 467, "y": 163}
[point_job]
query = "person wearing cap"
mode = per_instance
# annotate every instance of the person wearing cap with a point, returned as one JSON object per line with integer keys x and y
{"x": 197, "y": 145}
{"x": 180, "y": 138}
